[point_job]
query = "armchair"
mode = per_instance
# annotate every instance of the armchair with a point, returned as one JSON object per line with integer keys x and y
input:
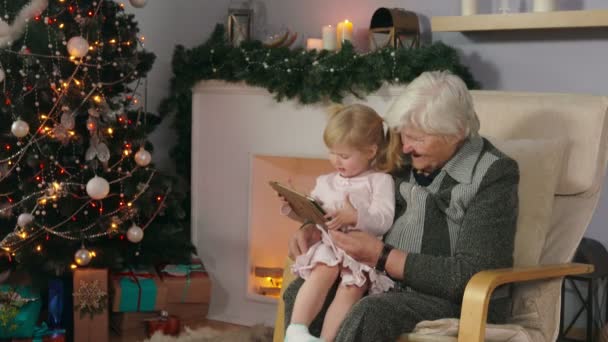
{"x": 560, "y": 143}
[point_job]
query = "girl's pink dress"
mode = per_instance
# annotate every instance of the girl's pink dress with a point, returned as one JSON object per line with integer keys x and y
{"x": 373, "y": 195}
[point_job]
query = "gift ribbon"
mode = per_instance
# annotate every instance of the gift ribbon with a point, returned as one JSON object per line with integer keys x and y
{"x": 134, "y": 277}
{"x": 43, "y": 330}
{"x": 183, "y": 271}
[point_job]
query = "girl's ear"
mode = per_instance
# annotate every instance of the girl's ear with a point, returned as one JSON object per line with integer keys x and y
{"x": 372, "y": 151}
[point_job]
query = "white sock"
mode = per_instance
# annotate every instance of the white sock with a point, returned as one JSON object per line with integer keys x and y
{"x": 299, "y": 333}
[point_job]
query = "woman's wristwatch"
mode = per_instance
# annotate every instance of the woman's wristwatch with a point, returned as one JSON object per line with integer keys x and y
{"x": 381, "y": 264}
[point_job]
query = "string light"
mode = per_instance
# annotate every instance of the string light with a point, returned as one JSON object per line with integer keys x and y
{"x": 85, "y": 80}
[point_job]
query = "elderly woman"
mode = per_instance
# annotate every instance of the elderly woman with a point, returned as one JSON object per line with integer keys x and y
{"x": 456, "y": 212}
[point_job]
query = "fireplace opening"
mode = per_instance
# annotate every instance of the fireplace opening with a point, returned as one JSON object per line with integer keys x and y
{"x": 269, "y": 231}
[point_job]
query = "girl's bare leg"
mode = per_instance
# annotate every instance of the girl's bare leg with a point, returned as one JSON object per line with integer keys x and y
{"x": 345, "y": 298}
{"x": 311, "y": 296}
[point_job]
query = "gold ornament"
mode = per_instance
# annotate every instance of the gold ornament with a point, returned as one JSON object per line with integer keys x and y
{"x": 89, "y": 298}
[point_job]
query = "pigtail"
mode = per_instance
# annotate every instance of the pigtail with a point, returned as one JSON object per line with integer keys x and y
{"x": 389, "y": 156}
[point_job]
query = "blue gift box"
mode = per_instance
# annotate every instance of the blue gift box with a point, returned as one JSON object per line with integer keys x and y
{"x": 24, "y": 323}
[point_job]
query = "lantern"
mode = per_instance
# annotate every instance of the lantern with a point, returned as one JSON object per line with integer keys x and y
{"x": 240, "y": 25}
{"x": 394, "y": 27}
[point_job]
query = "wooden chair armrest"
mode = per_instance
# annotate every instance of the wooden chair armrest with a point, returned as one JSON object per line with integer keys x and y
{"x": 477, "y": 294}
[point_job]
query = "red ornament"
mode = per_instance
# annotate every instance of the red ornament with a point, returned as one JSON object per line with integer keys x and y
{"x": 167, "y": 324}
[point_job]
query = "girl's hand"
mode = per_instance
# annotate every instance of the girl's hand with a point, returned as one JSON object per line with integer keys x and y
{"x": 361, "y": 246}
{"x": 347, "y": 216}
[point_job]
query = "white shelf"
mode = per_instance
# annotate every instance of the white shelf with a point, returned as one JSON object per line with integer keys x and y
{"x": 521, "y": 21}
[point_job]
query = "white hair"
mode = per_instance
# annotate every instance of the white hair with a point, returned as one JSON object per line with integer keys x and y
{"x": 436, "y": 102}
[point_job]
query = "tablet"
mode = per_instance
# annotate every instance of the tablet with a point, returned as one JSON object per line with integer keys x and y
{"x": 303, "y": 205}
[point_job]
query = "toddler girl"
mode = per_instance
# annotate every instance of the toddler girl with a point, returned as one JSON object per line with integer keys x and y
{"x": 358, "y": 195}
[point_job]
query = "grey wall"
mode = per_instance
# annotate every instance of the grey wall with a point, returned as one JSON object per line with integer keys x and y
{"x": 166, "y": 23}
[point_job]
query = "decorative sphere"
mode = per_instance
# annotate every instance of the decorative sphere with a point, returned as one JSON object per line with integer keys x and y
{"x": 135, "y": 234}
{"x": 83, "y": 257}
{"x": 20, "y": 128}
{"x": 98, "y": 188}
{"x": 143, "y": 157}
{"x": 25, "y": 219}
{"x": 78, "y": 46}
{"x": 138, "y": 3}
{"x": 2, "y": 75}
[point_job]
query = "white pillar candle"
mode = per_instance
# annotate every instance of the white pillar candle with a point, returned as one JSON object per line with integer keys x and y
{"x": 344, "y": 32}
{"x": 504, "y": 6}
{"x": 314, "y": 44}
{"x": 329, "y": 38}
{"x": 544, "y": 5}
{"x": 468, "y": 7}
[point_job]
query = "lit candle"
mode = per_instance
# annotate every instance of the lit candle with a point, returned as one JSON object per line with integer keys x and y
{"x": 329, "y": 38}
{"x": 344, "y": 32}
{"x": 468, "y": 7}
{"x": 314, "y": 44}
{"x": 544, "y": 5}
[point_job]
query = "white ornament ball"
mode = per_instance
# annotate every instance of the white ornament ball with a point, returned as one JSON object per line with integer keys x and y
{"x": 138, "y": 3}
{"x": 2, "y": 75}
{"x": 135, "y": 234}
{"x": 98, "y": 188}
{"x": 20, "y": 128}
{"x": 83, "y": 257}
{"x": 142, "y": 157}
{"x": 25, "y": 219}
{"x": 78, "y": 46}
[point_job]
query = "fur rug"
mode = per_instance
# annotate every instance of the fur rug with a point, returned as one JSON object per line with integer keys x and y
{"x": 256, "y": 333}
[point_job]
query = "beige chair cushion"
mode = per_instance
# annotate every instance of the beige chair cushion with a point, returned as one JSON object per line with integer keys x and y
{"x": 448, "y": 327}
{"x": 540, "y": 162}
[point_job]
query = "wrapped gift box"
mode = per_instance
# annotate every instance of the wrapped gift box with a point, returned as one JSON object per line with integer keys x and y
{"x": 122, "y": 322}
{"x": 44, "y": 334}
{"x": 186, "y": 283}
{"x": 24, "y": 323}
{"x": 91, "y": 327}
{"x": 138, "y": 291}
{"x": 189, "y": 313}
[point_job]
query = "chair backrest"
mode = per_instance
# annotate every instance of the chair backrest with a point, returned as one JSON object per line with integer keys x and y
{"x": 580, "y": 121}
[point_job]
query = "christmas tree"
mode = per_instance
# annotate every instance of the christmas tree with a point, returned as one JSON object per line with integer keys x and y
{"x": 77, "y": 186}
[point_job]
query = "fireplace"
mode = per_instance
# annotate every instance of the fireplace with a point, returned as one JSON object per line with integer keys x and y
{"x": 241, "y": 138}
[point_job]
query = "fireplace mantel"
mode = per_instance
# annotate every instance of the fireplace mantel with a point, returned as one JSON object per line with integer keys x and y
{"x": 232, "y": 123}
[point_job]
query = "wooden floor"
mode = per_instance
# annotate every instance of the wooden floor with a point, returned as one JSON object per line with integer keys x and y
{"x": 141, "y": 335}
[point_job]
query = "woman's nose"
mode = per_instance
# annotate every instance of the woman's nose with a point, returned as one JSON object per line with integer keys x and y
{"x": 407, "y": 147}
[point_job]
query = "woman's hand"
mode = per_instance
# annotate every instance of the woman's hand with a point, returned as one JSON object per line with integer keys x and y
{"x": 361, "y": 246}
{"x": 303, "y": 239}
{"x": 346, "y": 216}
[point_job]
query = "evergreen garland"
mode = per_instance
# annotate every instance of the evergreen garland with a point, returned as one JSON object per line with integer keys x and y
{"x": 308, "y": 76}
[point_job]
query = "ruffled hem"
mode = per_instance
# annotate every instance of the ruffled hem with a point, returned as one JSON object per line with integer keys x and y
{"x": 352, "y": 272}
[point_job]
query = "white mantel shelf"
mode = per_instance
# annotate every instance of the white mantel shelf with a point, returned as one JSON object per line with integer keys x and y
{"x": 520, "y": 21}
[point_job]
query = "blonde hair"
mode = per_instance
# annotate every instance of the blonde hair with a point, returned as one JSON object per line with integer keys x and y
{"x": 360, "y": 127}
{"x": 436, "y": 102}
